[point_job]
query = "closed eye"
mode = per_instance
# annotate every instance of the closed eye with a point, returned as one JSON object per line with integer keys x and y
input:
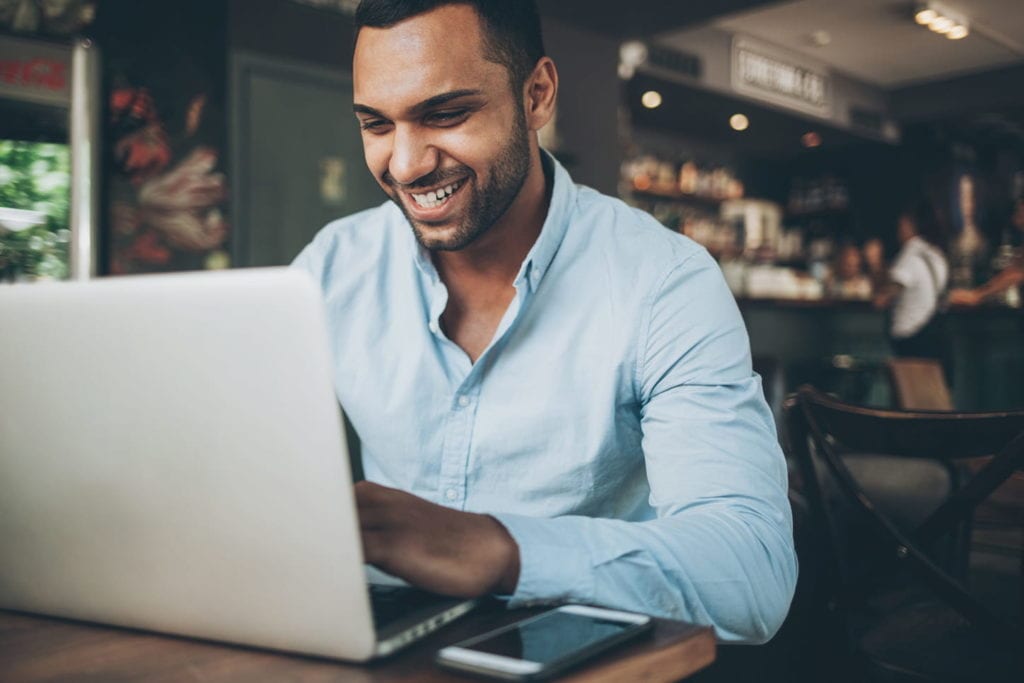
{"x": 446, "y": 118}
{"x": 373, "y": 125}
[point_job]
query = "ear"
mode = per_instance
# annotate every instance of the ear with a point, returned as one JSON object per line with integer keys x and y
{"x": 540, "y": 93}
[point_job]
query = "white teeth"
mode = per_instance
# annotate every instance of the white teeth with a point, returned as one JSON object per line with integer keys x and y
{"x": 437, "y": 197}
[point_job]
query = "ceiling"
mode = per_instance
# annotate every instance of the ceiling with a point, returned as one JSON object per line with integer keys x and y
{"x": 876, "y": 41}
{"x": 640, "y": 18}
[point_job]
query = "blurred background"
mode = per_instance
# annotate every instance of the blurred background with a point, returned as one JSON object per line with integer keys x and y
{"x": 786, "y": 137}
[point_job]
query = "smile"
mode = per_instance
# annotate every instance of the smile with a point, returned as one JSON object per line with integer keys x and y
{"x": 436, "y": 198}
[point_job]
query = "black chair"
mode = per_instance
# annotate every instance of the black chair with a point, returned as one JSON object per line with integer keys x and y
{"x": 889, "y": 588}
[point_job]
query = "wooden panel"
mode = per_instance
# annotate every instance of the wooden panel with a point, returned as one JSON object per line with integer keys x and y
{"x": 919, "y": 384}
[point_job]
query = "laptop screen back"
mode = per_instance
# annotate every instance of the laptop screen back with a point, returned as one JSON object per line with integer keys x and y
{"x": 172, "y": 458}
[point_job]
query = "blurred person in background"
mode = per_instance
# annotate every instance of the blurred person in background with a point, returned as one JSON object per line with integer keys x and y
{"x": 916, "y": 282}
{"x": 848, "y": 280}
{"x": 874, "y": 263}
{"x": 1006, "y": 279}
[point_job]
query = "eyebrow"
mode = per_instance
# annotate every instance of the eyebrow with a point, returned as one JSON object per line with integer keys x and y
{"x": 429, "y": 103}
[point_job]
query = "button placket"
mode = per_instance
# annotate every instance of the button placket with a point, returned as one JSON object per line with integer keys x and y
{"x": 457, "y": 444}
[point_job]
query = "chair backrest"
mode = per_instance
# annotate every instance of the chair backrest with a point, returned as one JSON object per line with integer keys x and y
{"x": 919, "y": 384}
{"x": 822, "y": 429}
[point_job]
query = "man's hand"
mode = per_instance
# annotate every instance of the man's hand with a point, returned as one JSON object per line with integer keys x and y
{"x": 883, "y": 298}
{"x": 434, "y": 547}
{"x": 964, "y": 297}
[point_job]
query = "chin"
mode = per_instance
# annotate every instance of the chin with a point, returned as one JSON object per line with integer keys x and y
{"x": 440, "y": 240}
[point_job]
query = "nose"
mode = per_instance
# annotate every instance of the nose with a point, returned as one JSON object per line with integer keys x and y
{"x": 412, "y": 155}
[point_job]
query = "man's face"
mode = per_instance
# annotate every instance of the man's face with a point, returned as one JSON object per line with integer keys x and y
{"x": 905, "y": 229}
{"x": 443, "y": 132}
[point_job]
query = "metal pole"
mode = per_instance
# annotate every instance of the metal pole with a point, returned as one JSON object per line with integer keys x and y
{"x": 85, "y": 155}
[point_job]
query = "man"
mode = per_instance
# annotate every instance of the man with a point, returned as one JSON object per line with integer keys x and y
{"x": 553, "y": 392}
{"x": 917, "y": 279}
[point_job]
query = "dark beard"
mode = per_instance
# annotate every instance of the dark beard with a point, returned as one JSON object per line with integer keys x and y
{"x": 486, "y": 205}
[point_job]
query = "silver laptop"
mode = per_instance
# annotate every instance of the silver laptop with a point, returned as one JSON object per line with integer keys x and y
{"x": 172, "y": 458}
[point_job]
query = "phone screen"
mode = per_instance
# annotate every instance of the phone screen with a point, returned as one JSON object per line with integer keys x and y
{"x": 551, "y": 637}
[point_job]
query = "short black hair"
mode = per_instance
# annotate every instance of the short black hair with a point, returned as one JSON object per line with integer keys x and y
{"x": 927, "y": 221}
{"x": 512, "y": 32}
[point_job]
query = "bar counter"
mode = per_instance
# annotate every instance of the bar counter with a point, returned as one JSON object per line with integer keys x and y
{"x": 841, "y": 346}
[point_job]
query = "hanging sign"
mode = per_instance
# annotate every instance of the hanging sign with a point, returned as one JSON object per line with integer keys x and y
{"x": 35, "y": 71}
{"x": 767, "y": 73}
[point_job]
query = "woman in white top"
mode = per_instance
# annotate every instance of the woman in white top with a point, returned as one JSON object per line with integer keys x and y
{"x": 917, "y": 280}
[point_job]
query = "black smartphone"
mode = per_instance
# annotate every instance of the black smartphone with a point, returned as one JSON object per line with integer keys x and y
{"x": 544, "y": 645}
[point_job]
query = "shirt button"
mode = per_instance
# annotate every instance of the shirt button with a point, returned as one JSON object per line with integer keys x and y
{"x": 463, "y": 401}
{"x": 451, "y": 494}
{"x": 433, "y": 327}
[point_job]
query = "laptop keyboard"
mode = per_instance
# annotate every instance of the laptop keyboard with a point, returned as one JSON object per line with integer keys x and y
{"x": 390, "y": 603}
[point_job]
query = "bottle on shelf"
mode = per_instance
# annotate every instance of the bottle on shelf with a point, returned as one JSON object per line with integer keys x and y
{"x": 688, "y": 178}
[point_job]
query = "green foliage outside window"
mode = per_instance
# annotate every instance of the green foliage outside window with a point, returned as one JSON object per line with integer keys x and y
{"x": 35, "y": 177}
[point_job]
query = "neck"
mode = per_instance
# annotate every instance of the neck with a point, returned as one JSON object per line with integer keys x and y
{"x": 498, "y": 254}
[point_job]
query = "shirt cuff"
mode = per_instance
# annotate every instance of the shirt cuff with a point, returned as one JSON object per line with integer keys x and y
{"x": 553, "y": 566}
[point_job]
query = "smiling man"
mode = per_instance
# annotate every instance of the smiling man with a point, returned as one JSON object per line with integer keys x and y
{"x": 554, "y": 393}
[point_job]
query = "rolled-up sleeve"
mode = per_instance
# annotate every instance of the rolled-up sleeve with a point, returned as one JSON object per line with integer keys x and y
{"x": 720, "y": 551}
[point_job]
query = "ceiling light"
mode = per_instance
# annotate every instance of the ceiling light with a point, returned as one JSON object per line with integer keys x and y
{"x": 632, "y": 54}
{"x": 942, "y": 19}
{"x": 651, "y": 99}
{"x": 941, "y": 24}
{"x": 957, "y": 32}
{"x": 739, "y": 122}
{"x": 810, "y": 139}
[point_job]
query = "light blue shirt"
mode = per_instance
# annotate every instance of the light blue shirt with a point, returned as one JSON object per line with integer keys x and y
{"x": 614, "y": 425}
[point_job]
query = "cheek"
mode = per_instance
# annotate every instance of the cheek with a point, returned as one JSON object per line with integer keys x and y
{"x": 476, "y": 149}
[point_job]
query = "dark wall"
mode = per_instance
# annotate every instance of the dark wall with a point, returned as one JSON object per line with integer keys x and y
{"x": 588, "y": 103}
{"x": 978, "y": 92}
{"x": 286, "y": 29}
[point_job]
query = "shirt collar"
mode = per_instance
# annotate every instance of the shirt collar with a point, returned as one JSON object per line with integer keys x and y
{"x": 563, "y": 196}
{"x": 537, "y": 261}
{"x": 420, "y": 255}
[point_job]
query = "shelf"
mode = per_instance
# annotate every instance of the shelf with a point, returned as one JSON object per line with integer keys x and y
{"x": 818, "y": 213}
{"x": 699, "y": 200}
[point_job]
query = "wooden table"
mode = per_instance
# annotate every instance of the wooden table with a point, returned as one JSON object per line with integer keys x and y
{"x": 34, "y": 648}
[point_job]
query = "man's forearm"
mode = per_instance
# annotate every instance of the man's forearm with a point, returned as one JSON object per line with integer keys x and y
{"x": 729, "y": 568}
{"x": 884, "y": 297}
{"x": 1001, "y": 282}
